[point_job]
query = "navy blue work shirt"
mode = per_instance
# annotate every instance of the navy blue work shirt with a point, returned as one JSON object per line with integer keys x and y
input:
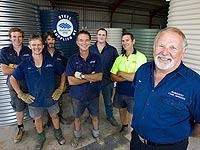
{"x": 58, "y": 56}
{"x": 9, "y": 56}
{"x": 86, "y": 91}
{"x": 166, "y": 113}
{"x": 108, "y": 56}
{"x": 40, "y": 81}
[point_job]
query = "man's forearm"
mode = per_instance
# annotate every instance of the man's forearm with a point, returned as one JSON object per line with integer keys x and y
{"x": 127, "y": 76}
{"x": 15, "y": 85}
{"x": 93, "y": 77}
{"x": 6, "y": 70}
{"x": 75, "y": 81}
{"x": 63, "y": 80}
{"x": 116, "y": 78}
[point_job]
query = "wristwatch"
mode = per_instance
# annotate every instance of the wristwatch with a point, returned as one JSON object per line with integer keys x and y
{"x": 83, "y": 76}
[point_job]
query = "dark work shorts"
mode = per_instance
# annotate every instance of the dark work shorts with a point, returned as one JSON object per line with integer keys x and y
{"x": 123, "y": 101}
{"x": 17, "y": 104}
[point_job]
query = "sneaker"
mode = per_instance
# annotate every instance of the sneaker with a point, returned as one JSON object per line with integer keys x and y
{"x": 75, "y": 142}
{"x": 124, "y": 130}
{"x": 99, "y": 140}
{"x": 112, "y": 121}
{"x": 19, "y": 135}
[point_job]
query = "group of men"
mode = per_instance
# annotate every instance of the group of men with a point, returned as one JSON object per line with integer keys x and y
{"x": 159, "y": 99}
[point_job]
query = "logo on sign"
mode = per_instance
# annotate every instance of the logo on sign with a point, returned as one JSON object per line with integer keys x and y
{"x": 65, "y": 27}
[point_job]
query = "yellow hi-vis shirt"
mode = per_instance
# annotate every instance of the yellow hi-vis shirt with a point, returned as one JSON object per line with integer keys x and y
{"x": 128, "y": 64}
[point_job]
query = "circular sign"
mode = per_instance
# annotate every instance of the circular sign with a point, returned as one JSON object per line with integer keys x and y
{"x": 65, "y": 27}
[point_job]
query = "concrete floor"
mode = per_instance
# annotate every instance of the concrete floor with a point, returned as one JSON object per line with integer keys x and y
{"x": 7, "y": 133}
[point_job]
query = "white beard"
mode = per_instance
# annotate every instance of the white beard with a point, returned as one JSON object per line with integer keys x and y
{"x": 162, "y": 65}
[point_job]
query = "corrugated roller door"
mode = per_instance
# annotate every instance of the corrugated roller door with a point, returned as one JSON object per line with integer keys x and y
{"x": 186, "y": 16}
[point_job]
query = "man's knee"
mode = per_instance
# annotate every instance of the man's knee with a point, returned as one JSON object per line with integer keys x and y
{"x": 94, "y": 118}
{"x": 54, "y": 116}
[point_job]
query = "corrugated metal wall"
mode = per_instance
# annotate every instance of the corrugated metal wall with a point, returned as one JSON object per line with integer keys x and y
{"x": 93, "y": 18}
{"x": 186, "y": 16}
{"x": 14, "y": 14}
{"x": 144, "y": 40}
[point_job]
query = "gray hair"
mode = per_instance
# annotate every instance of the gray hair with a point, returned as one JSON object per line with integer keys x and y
{"x": 172, "y": 29}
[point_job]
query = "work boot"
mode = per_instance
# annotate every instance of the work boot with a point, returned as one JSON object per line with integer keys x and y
{"x": 112, "y": 121}
{"x": 76, "y": 140}
{"x": 98, "y": 138}
{"x": 59, "y": 137}
{"x": 19, "y": 135}
{"x": 40, "y": 141}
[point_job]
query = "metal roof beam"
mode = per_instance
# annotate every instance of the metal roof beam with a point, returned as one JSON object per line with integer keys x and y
{"x": 53, "y": 4}
{"x": 116, "y": 4}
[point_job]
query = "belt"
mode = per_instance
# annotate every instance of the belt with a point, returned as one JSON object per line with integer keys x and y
{"x": 145, "y": 141}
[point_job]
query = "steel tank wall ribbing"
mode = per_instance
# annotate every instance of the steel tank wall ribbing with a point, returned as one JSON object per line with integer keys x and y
{"x": 185, "y": 15}
{"x": 47, "y": 18}
{"x": 25, "y": 16}
{"x": 144, "y": 40}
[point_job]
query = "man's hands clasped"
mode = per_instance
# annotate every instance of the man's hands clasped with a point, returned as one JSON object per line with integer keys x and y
{"x": 27, "y": 98}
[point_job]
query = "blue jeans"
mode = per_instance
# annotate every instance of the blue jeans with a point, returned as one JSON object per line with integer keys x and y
{"x": 107, "y": 92}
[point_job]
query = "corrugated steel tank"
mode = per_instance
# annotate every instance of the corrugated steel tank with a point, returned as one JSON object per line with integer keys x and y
{"x": 144, "y": 40}
{"x": 25, "y": 16}
{"x": 185, "y": 15}
{"x": 47, "y": 18}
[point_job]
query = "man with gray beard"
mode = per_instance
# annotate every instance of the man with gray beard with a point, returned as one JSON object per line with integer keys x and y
{"x": 167, "y": 97}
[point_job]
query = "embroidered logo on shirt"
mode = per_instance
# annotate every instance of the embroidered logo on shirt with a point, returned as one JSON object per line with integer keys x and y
{"x": 59, "y": 59}
{"x": 49, "y": 65}
{"x": 177, "y": 95}
{"x": 26, "y": 55}
{"x": 92, "y": 62}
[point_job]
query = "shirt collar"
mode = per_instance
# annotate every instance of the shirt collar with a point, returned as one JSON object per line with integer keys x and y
{"x": 135, "y": 51}
{"x": 180, "y": 70}
{"x": 104, "y": 47}
{"x": 11, "y": 47}
{"x": 89, "y": 55}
